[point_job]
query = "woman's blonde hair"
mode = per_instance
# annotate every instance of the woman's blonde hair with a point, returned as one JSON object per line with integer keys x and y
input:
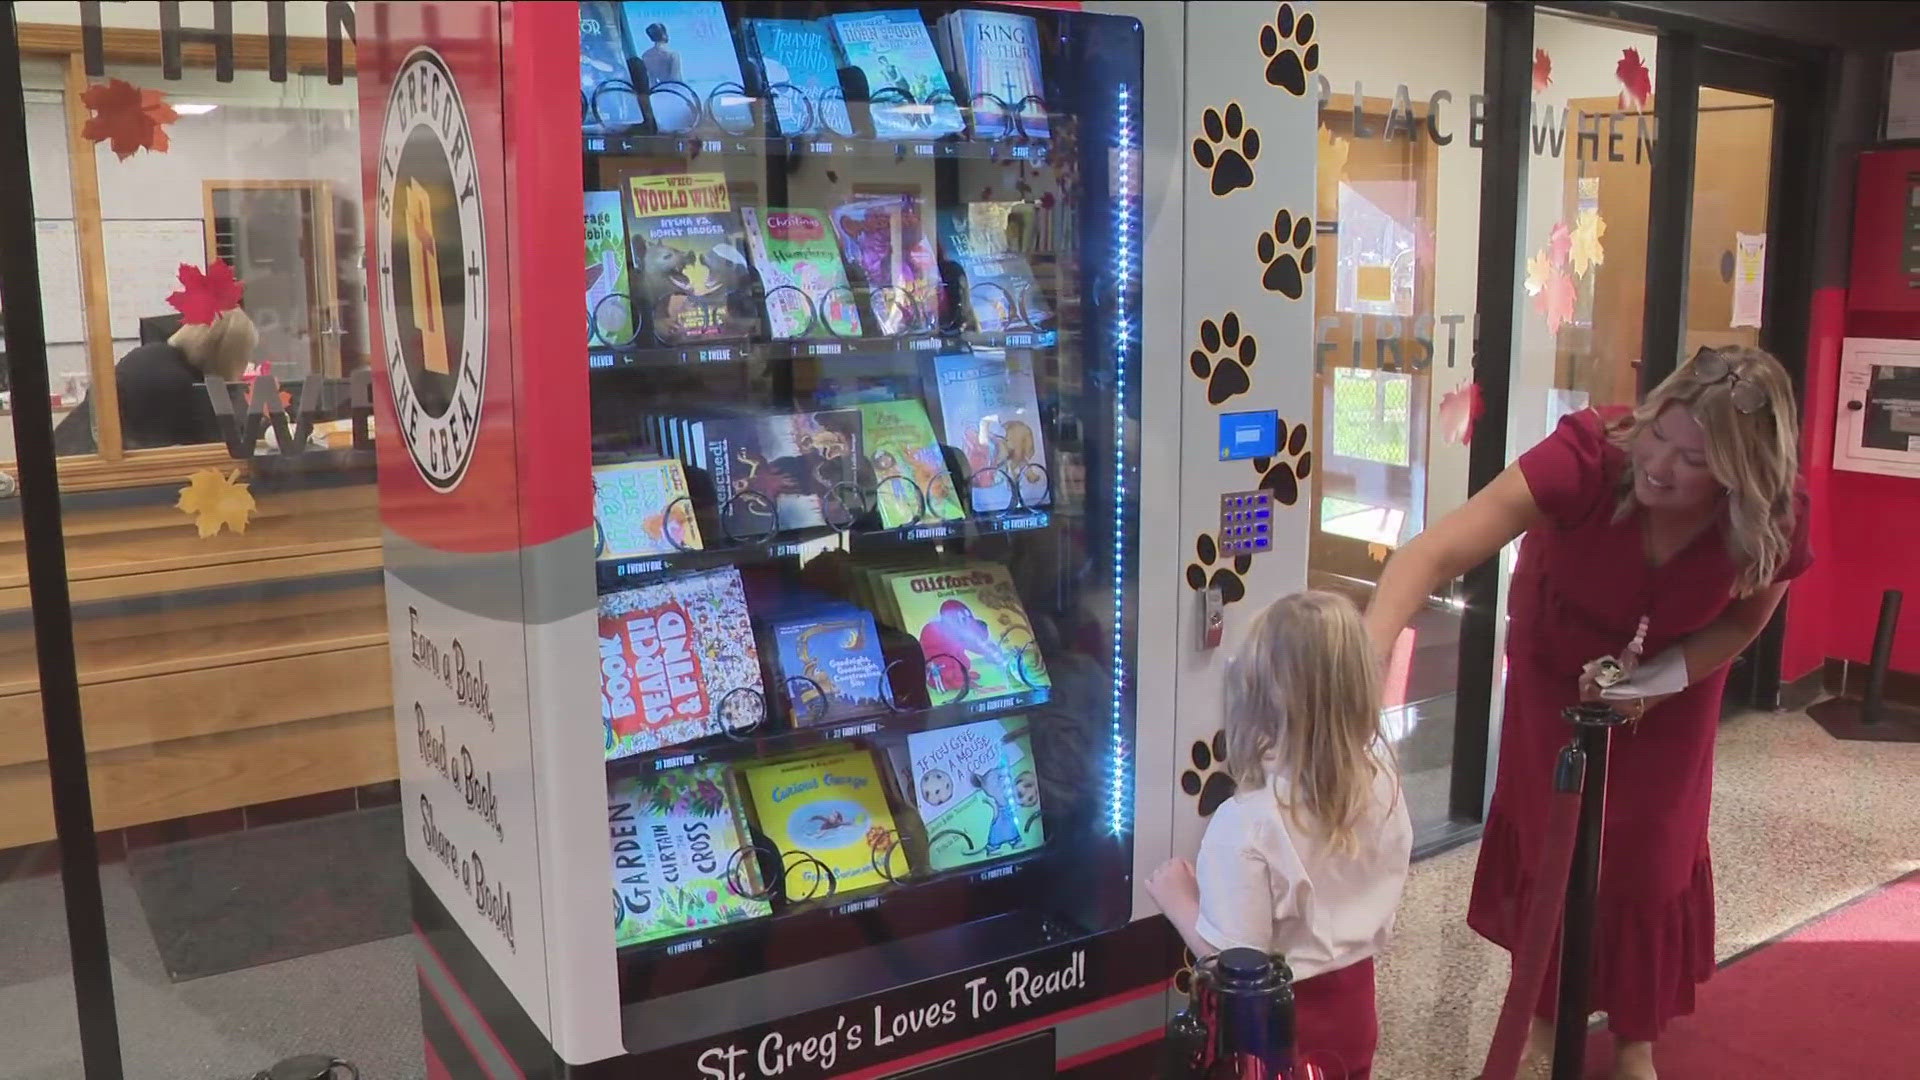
{"x": 1303, "y": 703}
{"x": 1755, "y": 455}
{"x": 222, "y": 347}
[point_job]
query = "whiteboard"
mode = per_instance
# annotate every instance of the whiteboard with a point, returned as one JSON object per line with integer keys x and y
{"x": 60, "y": 302}
{"x": 143, "y": 266}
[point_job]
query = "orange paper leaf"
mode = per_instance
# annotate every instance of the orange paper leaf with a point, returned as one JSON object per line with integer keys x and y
{"x": 1542, "y": 71}
{"x": 214, "y": 501}
{"x": 127, "y": 118}
{"x": 1636, "y": 82}
{"x": 1557, "y": 299}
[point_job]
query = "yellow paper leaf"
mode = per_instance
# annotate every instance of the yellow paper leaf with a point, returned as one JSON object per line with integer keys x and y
{"x": 1587, "y": 252}
{"x": 213, "y": 501}
{"x": 1538, "y": 271}
{"x": 1378, "y": 552}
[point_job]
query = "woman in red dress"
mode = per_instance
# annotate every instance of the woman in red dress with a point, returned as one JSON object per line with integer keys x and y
{"x": 1664, "y": 536}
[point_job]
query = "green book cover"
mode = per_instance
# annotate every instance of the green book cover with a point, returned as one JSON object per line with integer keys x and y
{"x": 609, "y": 322}
{"x": 977, "y": 791}
{"x": 800, "y": 270}
{"x": 901, "y": 447}
{"x": 675, "y": 838}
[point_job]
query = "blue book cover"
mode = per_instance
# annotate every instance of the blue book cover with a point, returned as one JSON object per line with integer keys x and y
{"x": 1001, "y": 290}
{"x": 802, "y": 73}
{"x": 905, "y": 82}
{"x": 605, "y": 95}
{"x": 830, "y": 664}
{"x": 692, "y": 70}
{"x": 995, "y": 60}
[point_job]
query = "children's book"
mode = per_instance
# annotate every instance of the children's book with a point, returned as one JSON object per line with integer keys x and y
{"x": 642, "y": 508}
{"x": 799, "y": 463}
{"x": 990, "y": 411}
{"x": 831, "y": 664}
{"x": 676, "y": 840}
{"x": 972, "y": 629}
{"x": 828, "y": 817}
{"x": 605, "y": 93}
{"x": 885, "y": 239}
{"x": 799, "y": 264}
{"x": 1001, "y": 291}
{"x": 977, "y": 791}
{"x": 694, "y": 279}
{"x": 677, "y": 662}
{"x": 609, "y": 305}
{"x": 909, "y": 470}
{"x": 693, "y": 73}
{"x": 995, "y": 59}
{"x": 905, "y": 82}
{"x": 799, "y": 67}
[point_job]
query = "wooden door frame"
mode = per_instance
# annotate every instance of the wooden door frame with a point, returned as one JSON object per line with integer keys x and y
{"x": 323, "y": 292}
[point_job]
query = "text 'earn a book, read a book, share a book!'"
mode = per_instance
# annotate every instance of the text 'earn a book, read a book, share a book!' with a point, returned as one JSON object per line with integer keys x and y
{"x": 677, "y": 840}
{"x": 677, "y": 662}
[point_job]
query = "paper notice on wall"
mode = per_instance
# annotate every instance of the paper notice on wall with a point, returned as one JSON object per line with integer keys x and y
{"x": 1749, "y": 277}
{"x": 1903, "y": 96}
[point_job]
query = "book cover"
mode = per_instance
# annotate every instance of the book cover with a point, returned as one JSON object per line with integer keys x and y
{"x": 829, "y": 818}
{"x": 603, "y": 60}
{"x": 999, "y": 63}
{"x": 798, "y": 462}
{"x": 609, "y": 321}
{"x": 686, "y": 50}
{"x": 642, "y": 508}
{"x": 675, "y": 836}
{"x": 885, "y": 239}
{"x": 1001, "y": 291}
{"x": 677, "y": 660}
{"x": 800, "y": 271}
{"x": 972, "y": 629}
{"x": 831, "y": 664}
{"x": 694, "y": 278}
{"x": 802, "y": 72}
{"x": 990, "y": 411}
{"x": 977, "y": 791}
{"x": 905, "y": 83}
{"x": 909, "y": 470}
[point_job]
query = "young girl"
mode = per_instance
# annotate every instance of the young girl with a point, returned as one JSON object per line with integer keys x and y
{"x": 1307, "y": 861}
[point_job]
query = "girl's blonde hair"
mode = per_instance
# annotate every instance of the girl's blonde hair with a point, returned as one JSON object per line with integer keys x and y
{"x": 1303, "y": 703}
{"x": 1754, "y": 455}
{"x": 222, "y": 347}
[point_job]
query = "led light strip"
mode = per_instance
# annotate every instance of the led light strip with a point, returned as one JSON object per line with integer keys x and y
{"x": 1125, "y": 263}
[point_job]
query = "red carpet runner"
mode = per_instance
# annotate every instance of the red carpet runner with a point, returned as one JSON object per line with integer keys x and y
{"x": 1833, "y": 999}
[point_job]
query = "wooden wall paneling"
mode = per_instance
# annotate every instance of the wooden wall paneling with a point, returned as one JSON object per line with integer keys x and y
{"x": 92, "y": 245}
{"x": 129, "y": 46}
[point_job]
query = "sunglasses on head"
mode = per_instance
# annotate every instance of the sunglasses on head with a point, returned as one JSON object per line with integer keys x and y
{"x": 1710, "y": 366}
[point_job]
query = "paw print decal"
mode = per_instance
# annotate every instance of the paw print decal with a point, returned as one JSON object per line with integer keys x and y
{"x": 1288, "y": 254}
{"x": 1283, "y": 476}
{"x": 1228, "y": 579}
{"x": 1291, "y": 54}
{"x": 1206, "y": 781}
{"x": 1223, "y": 358}
{"x": 1226, "y": 149}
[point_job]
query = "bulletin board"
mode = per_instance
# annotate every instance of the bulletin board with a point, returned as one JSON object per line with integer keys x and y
{"x": 143, "y": 266}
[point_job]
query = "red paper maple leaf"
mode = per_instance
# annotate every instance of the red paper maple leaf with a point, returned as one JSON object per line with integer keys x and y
{"x": 203, "y": 297}
{"x": 1557, "y": 299}
{"x": 127, "y": 118}
{"x": 1542, "y": 71}
{"x": 1636, "y": 82}
{"x": 1559, "y": 245}
{"x": 1458, "y": 410}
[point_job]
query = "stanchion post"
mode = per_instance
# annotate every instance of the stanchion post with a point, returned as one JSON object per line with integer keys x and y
{"x": 1871, "y": 704}
{"x": 1594, "y": 722}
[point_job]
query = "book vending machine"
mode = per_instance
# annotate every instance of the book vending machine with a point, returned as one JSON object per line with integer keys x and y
{"x": 770, "y": 542}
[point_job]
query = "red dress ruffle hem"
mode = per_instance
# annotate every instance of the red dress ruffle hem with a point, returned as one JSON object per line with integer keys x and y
{"x": 1579, "y": 590}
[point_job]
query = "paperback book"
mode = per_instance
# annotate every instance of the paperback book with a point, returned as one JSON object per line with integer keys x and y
{"x": 990, "y": 411}
{"x": 977, "y": 791}
{"x": 694, "y": 280}
{"x": 610, "y": 321}
{"x": 972, "y": 629}
{"x": 606, "y": 95}
{"x": 677, "y": 662}
{"x": 692, "y": 72}
{"x": 995, "y": 58}
{"x": 905, "y": 82}
{"x": 799, "y": 67}
{"x": 676, "y": 837}
{"x": 886, "y": 241}
{"x": 803, "y": 465}
{"x": 642, "y": 508}
{"x": 830, "y": 663}
{"x": 910, "y": 473}
{"x": 800, "y": 272}
{"x": 828, "y": 817}
{"x": 1001, "y": 291}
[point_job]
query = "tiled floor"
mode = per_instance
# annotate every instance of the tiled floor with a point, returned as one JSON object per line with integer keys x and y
{"x": 1801, "y": 823}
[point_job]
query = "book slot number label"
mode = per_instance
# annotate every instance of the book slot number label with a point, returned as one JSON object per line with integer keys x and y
{"x": 993, "y": 874}
{"x": 646, "y": 566}
{"x": 595, "y": 146}
{"x": 856, "y": 906}
{"x": 680, "y": 947}
{"x": 828, "y": 348}
{"x": 600, "y": 360}
{"x": 712, "y": 146}
{"x": 821, "y": 148}
{"x": 922, "y": 149}
{"x": 850, "y": 731}
{"x": 715, "y": 356}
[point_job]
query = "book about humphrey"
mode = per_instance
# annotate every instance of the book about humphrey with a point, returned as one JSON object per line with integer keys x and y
{"x": 829, "y": 818}
{"x": 800, "y": 272}
{"x": 694, "y": 281}
{"x": 677, "y": 662}
{"x": 677, "y": 838}
{"x": 977, "y": 791}
{"x": 972, "y": 628}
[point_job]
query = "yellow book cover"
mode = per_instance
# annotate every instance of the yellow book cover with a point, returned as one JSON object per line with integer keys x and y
{"x": 829, "y": 818}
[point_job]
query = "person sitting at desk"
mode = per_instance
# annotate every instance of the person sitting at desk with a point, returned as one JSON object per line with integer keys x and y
{"x": 162, "y": 401}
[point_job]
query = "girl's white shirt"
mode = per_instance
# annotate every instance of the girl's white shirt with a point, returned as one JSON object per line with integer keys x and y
{"x": 1267, "y": 883}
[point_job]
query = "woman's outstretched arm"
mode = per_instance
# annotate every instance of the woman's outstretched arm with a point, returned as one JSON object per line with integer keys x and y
{"x": 1459, "y": 542}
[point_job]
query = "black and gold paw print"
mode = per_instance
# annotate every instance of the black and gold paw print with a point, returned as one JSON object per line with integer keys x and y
{"x": 1283, "y": 477}
{"x": 1206, "y": 781}
{"x": 1288, "y": 255}
{"x": 1226, "y": 149}
{"x": 1228, "y": 579}
{"x": 1291, "y": 54}
{"x": 1223, "y": 358}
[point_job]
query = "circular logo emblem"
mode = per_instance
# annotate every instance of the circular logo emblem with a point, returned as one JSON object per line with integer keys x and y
{"x": 431, "y": 243}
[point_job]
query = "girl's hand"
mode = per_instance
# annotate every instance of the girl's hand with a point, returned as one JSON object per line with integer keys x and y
{"x": 1173, "y": 886}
